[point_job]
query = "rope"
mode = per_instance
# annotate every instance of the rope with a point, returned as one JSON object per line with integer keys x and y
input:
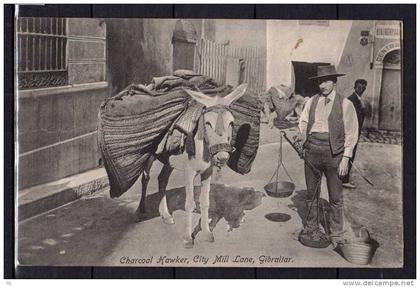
{"x": 287, "y": 173}
{"x": 274, "y": 173}
{"x": 280, "y": 163}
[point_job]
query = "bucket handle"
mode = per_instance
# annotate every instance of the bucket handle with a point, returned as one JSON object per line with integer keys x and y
{"x": 364, "y": 228}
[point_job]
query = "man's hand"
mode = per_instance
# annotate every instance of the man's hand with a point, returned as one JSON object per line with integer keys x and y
{"x": 343, "y": 169}
{"x": 300, "y": 137}
{"x": 292, "y": 119}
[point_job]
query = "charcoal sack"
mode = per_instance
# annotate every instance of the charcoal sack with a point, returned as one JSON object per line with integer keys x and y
{"x": 130, "y": 128}
{"x": 246, "y": 133}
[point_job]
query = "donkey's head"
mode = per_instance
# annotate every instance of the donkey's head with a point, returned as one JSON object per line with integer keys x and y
{"x": 217, "y": 123}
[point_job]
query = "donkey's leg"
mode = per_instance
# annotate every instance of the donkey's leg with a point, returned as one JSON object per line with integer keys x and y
{"x": 213, "y": 222}
{"x": 141, "y": 212}
{"x": 189, "y": 206}
{"x": 196, "y": 230}
{"x": 204, "y": 209}
{"x": 163, "y": 180}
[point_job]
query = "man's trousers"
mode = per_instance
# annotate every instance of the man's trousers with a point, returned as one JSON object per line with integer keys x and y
{"x": 318, "y": 153}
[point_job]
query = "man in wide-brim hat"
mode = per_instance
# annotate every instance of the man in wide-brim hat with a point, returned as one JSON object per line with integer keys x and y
{"x": 329, "y": 131}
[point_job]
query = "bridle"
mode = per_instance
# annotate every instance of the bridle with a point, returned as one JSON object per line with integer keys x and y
{"x": 219, "y": 147}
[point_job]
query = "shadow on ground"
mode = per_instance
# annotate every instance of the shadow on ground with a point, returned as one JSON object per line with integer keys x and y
{"x": 300, "y": 205}
{"x": 227, "y": 202}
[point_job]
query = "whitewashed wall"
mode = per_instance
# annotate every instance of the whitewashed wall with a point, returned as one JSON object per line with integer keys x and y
{"x": 289, "y": 41}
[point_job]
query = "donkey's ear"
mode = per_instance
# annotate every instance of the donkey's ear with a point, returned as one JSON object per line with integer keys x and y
{"x": 236, "y": 94}
{"x": 201, "y": 98}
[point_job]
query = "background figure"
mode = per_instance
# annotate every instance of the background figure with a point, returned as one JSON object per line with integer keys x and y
{"x": 359, "y": 106}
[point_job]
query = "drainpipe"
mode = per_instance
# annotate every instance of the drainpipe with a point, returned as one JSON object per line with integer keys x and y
{"x": 372, "y": 44}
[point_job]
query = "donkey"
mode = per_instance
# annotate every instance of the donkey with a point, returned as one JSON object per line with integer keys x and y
{"x": 210, "y": 146}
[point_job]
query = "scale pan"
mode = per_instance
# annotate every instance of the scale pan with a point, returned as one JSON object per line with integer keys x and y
{"x": 278, "y": 217}
{"x": 284, "y": 188}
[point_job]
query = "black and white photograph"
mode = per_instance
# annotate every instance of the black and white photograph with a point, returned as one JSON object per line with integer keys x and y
{"x": 147, "y": 142}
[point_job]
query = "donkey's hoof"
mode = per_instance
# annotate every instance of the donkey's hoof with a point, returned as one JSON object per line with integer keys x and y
{"x": 188, "y": 242}
{"x": 168, "y": 220}
{"x": 208, "y": 236}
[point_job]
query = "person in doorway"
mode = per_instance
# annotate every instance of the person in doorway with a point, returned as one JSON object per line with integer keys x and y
{"x": 359, "y": 106}
{"x": 328, "y": 131}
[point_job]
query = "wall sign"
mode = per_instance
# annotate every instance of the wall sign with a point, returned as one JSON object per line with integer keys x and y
{"x": 387, "y": 31}
{"x": 386, "y": 49}
{"x": 364, "y": 38}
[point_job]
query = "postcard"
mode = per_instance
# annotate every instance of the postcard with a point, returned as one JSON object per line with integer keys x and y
{"x": 208, "y": 143}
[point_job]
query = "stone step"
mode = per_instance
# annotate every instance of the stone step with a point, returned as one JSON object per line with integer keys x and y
{"x": 44, "y": 197}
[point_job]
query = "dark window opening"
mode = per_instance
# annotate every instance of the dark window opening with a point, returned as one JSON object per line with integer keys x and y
{"x": 303, "y": 71}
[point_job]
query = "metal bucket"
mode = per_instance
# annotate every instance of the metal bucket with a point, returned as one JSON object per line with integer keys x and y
{"x": 284, "y": 189}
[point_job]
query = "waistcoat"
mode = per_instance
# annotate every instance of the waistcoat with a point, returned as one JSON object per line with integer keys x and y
{"x": 335, "y": 123}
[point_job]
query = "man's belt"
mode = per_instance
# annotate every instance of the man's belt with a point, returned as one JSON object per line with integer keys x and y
{"x": 319, "y": 139}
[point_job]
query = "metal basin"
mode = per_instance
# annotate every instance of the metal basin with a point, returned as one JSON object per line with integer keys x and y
{"x": 278, "y": 217}
{"x": 284, "y": 188}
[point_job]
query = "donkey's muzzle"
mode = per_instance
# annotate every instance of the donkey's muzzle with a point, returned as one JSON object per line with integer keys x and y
{"x": 220, "y": 158}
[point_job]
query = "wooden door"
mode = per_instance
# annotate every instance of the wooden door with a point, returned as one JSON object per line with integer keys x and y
{"x": 390, "y": 98}
{"x": 183, "y": 55}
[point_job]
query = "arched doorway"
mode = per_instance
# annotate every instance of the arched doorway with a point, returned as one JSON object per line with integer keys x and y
{"x": 390, "y": 97}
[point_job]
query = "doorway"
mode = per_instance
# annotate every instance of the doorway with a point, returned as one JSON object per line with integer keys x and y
{"x": 390, "y": 97}
{"x": 303, "y": 85}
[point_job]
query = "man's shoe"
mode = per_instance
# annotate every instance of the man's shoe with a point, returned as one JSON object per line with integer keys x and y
{"x": 350, "y": 185}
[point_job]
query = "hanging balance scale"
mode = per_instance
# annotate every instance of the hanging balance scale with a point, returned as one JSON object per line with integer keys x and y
{"x": 279, "y": 189}
{"x": 282, "y": 189}
{"x": 316, "y": 239}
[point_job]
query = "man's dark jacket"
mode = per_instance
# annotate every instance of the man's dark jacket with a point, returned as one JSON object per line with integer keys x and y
{"x": 359, "y": 110}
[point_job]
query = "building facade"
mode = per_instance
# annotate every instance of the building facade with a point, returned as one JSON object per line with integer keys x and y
{"x": 370, "y": 50}
{"x": 373, "y": 52}
{"x": 61, "y": 71}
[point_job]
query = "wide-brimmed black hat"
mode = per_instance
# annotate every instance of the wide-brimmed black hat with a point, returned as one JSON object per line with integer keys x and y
{"x": 326, "y": 71}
